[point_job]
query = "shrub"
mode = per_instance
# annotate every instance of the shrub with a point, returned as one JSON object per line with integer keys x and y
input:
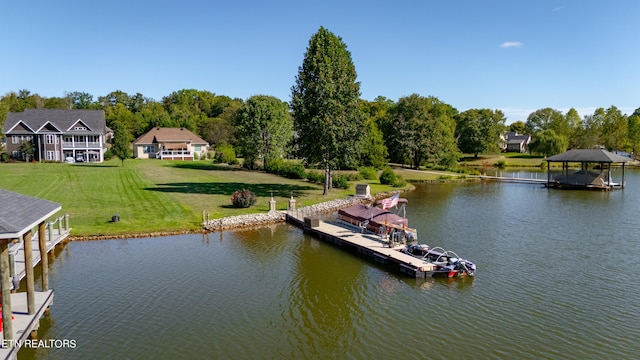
{"x": 398, "y": 182}
{"x": 387, "y": 177}
{"x": 354, "y": 177}
{"x": 226, "y": 154}
{"x": 340, "y": 181}
{"x": 369, "y": 173}
{"x": 315, "y": 177}
{"x": 501, "y": 164}
{"x": 108, "y": 154}
{"x": 243, "y": 198}
{"x": 289, "y": 169}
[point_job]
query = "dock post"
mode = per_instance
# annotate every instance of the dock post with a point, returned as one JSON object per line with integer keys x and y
{"x": 28, "y": 269}
{"x": 44, "y": 259}
{"x": 292, "y": 204}
{"x": 7, "y": 324}
{"x": 59, "y": 226}
{"x": 272, "y": 204}
{"x": 66, "y": 221}
{"x": 50, "y": 230}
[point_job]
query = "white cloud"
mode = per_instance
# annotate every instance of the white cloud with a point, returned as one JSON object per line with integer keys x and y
{"x": 510, "y": 44}
{"x": 558, "y": 8}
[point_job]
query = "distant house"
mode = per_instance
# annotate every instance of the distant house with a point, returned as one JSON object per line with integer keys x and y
{"x": 57, "y": 134}
{"x": 515, "y": 142}
{"x": 169, "y": 144}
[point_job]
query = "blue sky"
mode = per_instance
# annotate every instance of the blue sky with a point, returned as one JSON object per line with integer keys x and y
{"x": 514, "y": 55}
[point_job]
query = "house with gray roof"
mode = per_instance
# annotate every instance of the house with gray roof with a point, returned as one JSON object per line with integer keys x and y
{"x": 515, "y": 142}
{"x": 57, "y": 134}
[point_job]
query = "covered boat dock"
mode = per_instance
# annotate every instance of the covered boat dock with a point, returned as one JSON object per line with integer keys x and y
{"x": 594, "y": 173}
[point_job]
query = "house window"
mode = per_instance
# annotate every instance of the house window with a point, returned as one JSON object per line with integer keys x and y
{"x": 80, "y": 128}
{"x": 50, "y": 140}
{"x": 147, "y": 149}
{"x": 18, "y": 139}
{"x": 51, "y": 155}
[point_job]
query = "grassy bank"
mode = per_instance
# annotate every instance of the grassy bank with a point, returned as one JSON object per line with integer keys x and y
{"x": 155, "y": 196}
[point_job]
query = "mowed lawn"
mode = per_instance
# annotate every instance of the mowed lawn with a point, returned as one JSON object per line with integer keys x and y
{"x": 153, "y": 195}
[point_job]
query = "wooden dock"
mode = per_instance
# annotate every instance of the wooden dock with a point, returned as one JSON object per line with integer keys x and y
{"x": 25, "y": 325}
{"x": 16, "y": 251}
{"x": 366, "y": 244}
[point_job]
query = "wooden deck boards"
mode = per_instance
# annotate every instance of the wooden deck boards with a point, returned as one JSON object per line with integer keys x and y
{"x": 368, "y": 244}
{"x": 23, "y": 323}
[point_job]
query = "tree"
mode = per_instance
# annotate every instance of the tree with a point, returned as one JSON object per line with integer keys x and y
{"x": 122, "y": 139}
{"x": 264, "y": 129}
{"x": 27, "y": 148}
{"x": 614, "y": 129}
{"x": 478, "y": 130}
{"x": 575, "y": 124}
{"x": 80, "y": 100}
{"x": 518, "y": 127}
{"x": 545, "y": 119}
{"x": 422, "y": 130}
{"x": 547, "y": 143}
{"x": 633, "y": 132}
{"x": 324, "y": 105}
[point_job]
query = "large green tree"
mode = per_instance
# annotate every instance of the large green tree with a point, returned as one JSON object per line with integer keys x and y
{"x": 478, "y": 130}
{"x": 614, "y": 129}
{"x": 547, "y": 143}
{"x": 633, "y": 133}
{"x": 264, "y": 128}
{"x": 422, "y": 131}
{"x": 324, "y": 105}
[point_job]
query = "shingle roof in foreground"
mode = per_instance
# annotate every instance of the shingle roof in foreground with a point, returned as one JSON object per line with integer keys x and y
{"x": 588, "y": 155}
{"x": 20, "y": 213}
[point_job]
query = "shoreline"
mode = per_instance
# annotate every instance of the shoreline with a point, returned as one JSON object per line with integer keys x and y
{"x": 249, "y": 221}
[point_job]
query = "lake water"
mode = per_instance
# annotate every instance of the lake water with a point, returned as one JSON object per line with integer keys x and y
{"x": 557, "y": 279}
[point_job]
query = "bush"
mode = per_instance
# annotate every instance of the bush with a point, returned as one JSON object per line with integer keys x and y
{"x": 243, "y": 198}
{"x": 501, "y": 164}
{"x": 315, "y": 177}
{"x": 398, "y": 182}
{"x": 369, "y": 173}
{"x": 108, "y": 154}
{"x": 340, "y": 181}
{"x": 289, "y": 169}
{"x": 226, "y": 154}
{"x": 387, "y": 177}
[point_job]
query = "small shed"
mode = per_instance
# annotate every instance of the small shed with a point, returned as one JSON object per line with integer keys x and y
{"x": 594, "y": 173}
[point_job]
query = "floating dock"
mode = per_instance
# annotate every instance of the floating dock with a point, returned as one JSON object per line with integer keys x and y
{"x": 366, "y": 244}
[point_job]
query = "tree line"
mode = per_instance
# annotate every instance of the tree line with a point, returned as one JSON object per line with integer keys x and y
{"x": 328, "y": 125}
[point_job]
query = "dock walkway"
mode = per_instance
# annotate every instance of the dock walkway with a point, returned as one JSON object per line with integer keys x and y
{"x": 365, "y": 243}
{"x": 25, "y": 325}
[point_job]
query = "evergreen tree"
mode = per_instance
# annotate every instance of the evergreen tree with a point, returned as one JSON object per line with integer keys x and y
{"x": 324, "y": 105}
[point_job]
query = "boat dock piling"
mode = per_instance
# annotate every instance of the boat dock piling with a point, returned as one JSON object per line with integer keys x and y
{"x": 22, "y": 322}
{"x": 366, "y": 244}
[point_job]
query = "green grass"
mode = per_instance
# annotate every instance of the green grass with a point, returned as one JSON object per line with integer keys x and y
{"x": 153, "y": 195}
{"x": 511, "y": 160}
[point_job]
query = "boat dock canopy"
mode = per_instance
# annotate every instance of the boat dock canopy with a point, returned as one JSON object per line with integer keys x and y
{"x": 589, "y": 156}
{"x": 584, "y": 178}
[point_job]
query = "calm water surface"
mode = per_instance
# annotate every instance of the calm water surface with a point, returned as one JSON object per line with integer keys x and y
{"x": 557, "y": 279}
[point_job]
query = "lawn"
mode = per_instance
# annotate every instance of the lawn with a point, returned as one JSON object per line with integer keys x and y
{"x": 155, "y": 196}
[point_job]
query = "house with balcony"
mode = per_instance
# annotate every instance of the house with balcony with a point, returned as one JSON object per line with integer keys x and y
{"x": 170, "y": 144}
{"x": 57, "y": 134}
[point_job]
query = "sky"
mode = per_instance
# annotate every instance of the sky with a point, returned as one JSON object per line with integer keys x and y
{"x": 513, "y": 55}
